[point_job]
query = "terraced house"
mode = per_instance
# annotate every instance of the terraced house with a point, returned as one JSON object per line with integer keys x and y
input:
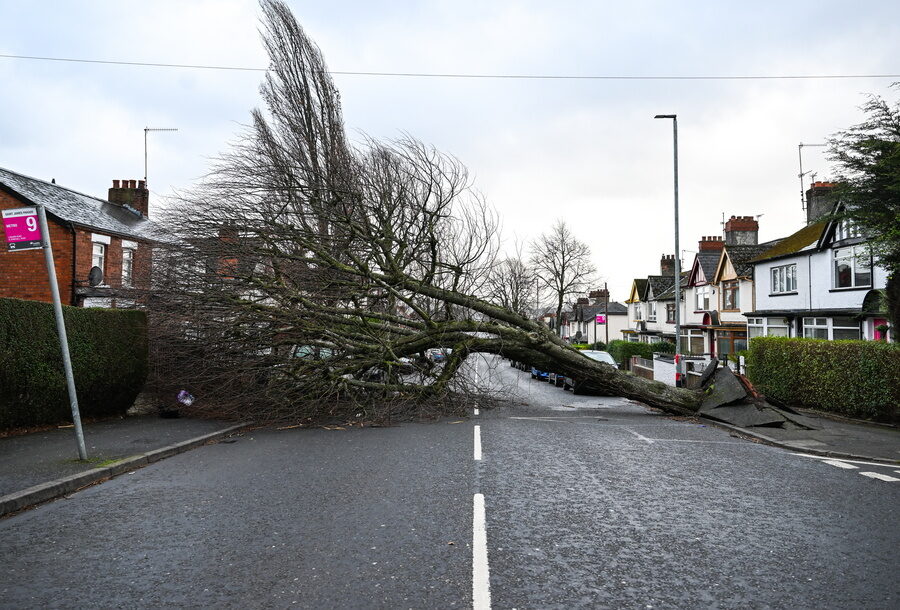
{"x": 821, "y": 281}
{"x": 102, "y": 248}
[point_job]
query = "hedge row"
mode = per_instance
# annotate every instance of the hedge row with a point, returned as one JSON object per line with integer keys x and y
{"x": 622, "y": 351}
{"x": 109, "y": 360}
{"x": 853, "y": 378}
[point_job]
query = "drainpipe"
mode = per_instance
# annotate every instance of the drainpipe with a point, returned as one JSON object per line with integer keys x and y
{"x": 73, "y": 299}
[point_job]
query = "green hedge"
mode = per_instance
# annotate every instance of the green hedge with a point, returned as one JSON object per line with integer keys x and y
{"x": 853, "y": 378}
{"x": 622, "y": 351}
{"x": 109, "y": 360}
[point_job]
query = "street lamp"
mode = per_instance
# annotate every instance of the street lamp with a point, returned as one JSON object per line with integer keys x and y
{"x": 678, "y": 377}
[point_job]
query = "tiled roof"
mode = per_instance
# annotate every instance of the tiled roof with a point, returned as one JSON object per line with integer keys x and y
{"x": 660, "y": 283}
{"x": 740, "y": 257}
{"x": 792, "y": 244}
{"x": 78, "y": 208}
{"x": 669, "y": 293}
{"x": 588, "y": 312}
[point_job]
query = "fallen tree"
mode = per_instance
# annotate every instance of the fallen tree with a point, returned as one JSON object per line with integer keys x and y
{"x": 310, "y": 278}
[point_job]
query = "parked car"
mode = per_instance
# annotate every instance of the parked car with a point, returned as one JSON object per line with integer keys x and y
{"x": 580, "y": 387}
{"x": 539, "y": 374}
{"x": 556, "y": 379}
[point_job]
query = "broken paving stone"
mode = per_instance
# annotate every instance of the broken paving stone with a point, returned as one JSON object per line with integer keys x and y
{"x": 725, "y": 389}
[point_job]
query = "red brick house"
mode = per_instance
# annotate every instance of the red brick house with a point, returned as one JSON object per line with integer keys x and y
{"x": 115, "y": 235}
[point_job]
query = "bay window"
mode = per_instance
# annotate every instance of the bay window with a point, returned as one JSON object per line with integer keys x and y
{"x": 852, "y": 267}
{"x": 731, "y": 297}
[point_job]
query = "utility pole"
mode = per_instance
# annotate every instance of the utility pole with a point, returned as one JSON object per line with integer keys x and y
{"x": 678, "y": 375}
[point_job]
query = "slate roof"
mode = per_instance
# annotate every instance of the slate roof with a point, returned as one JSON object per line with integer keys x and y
{"x": 589, "y": 312}
{"x": 740, "y": 257}
{"x": 78, "y": 208}
{"x": 708, "y": 260}
{"x": 792, "y": 244}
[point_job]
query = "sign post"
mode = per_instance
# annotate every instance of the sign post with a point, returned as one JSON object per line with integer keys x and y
{"x": 26, "y": 229}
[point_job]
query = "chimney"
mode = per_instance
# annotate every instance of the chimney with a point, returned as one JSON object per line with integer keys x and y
{"x": 667, "y": 264}
{"x": 582, "y": 301}
{"x": 819, "y": 200}
{"x": 710, "y": 244}
{"x": 741, "y": 231}
{"x": 133, "y": 193}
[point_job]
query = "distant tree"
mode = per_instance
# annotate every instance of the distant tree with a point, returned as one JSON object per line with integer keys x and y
{"x": 512, "y": 284}
{"x": 868, "y": 163}
{"x": 562, "y": 263}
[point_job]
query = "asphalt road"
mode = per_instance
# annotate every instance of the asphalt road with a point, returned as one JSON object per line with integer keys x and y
{"x": 587, "y": 502}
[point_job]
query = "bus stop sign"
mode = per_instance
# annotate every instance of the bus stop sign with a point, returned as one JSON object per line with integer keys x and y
{"x": 23, "y": 232}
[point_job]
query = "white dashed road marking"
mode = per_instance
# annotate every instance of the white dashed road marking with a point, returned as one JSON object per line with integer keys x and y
{"x": 481, "y": 580}
{"x": 640, "y": 436}
{"x": 879, "y": 476}
{"x": 476, "y": 408}
{"x": 477, "y": 450}
{"x": 840, "y": 464}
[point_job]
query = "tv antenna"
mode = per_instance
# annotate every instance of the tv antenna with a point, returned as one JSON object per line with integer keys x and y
{"x": 802, "y": 173}
{"x": 147, "y": 130}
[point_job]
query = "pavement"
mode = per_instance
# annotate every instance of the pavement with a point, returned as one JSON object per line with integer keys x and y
{"x": 44, "y": 465}
{"x": 831, "y": 436}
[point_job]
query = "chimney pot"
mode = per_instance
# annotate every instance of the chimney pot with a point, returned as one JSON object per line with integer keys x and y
{"x": 115, "y": 184}
{"x": 142, "y": 184}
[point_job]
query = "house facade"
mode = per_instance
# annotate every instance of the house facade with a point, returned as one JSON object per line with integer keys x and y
{"x": 820, "y": 282}
{"x": 115, "y": 236}
{"x": 585, "y": 328}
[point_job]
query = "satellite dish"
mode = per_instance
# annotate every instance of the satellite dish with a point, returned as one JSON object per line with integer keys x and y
{"x": 95, "y": 276}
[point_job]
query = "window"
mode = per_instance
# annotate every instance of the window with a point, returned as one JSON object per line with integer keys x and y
{"x": 98, "y": 256}
{"x": 729, "y": 342}
{"x": 670, "y": 313}
{"x": 852, "y": 267}
{"x": 703, "y": 294}
{"x": 692, "y": 341}
{"x": 846, "y": 230}
{"x": 651, "y": 315}
{"x": 815, "y": 328}
{"x": 127, "y": 267}
{"x": 731, "y": 298}
{"x": 638, "y": 315}
{"x": 845, "y": 328}
{"x": 784, "y": 279}
{"x": 755, "y": 327}
{"x": 777, "y": 327}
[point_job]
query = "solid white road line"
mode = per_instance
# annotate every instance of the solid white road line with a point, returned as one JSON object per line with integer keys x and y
{"x": 840, "y": 464}
{"x": 477, "y": 442}
{"x": 823, "y": 458}
{"x": 481, "y": 578}
{"x": 879, "y": 476}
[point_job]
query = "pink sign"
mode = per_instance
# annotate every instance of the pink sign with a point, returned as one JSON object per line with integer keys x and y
{"x": 601, "y": 319}
{"x": 22, "y": 229}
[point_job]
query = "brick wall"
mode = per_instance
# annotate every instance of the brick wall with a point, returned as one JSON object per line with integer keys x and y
{"x": 23, "y": 275}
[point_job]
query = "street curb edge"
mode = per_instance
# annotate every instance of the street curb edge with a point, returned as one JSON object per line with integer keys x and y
{"x": 782, "y": 445}
{"x": 54, "y": 489}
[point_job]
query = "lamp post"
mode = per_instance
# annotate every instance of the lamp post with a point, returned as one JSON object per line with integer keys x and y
{"x": 678, "y": 376}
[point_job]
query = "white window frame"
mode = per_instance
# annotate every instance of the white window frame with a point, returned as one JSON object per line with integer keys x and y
{"x": 127, "y": 267}
{"x": 846, "y": 230}
{"x": 703, "y": 297}
{"x": 651, "y": 313}
{"x": 783, "y": 279}
{"x": 99, "y": 257}
{"x": 858, "y": 252}
{"x": 810, "y": 325}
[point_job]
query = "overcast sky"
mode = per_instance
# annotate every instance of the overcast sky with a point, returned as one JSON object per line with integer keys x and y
{"x": 588, "y": 151}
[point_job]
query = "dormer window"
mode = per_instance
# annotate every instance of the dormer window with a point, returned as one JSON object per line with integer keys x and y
{"x": 846, "y": 230}
{"x": 852, "y": 267}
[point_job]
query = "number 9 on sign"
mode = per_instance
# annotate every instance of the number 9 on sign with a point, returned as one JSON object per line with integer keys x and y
{"x": 31, "y": 223}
